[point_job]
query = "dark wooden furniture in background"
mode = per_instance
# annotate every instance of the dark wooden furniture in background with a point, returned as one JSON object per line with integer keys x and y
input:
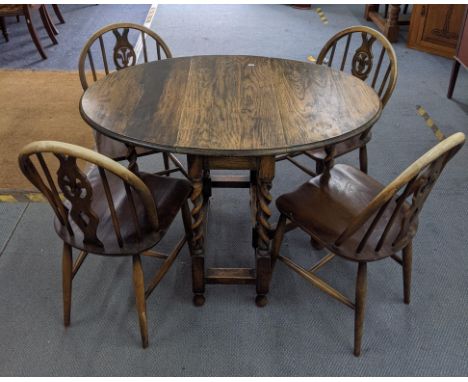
{"x": 389, "y": 25}
{"x": 362, "y": 66}
{"x": 123, "y": 54}
{"x": 355, "y": 217}
{"x": 231, "y": 112}
{"x": 109, "y": 212}
{"x": 435, "y": 28}
{"x": 25, "y": 10}
{"x": 461, "y": 56}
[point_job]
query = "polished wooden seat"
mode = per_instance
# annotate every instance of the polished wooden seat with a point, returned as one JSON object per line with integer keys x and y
{"x": 107, "y": 210}
{"x": 325, "y": 212}
{"x": 355, "y": 217}
{"x": 9, "y": 10}
{"x": 363, "y": 66}
{"x": 97, "y": 60}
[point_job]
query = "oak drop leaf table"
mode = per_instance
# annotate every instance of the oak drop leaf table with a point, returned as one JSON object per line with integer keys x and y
{"x": 231, "y": 112}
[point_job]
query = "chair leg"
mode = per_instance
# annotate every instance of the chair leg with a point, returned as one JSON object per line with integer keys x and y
{"x": 278, "y": 239}
{"x": 360, "y": 303}
{"x": 187, "y": 219}
{"x": 363, "y": 159}
{"x": 51, "y": 23}
{"x": 453, "y": 78}
{"x": 47, "y": 26}
{"x": 319, "y": 167}
{"x": 4, "y": 28}
{"x": 58, "y": 13}
{"x": 67, "y": 266}
{"x": 33, "y": 33}
{"x": 407, "y": 266}
{"x": 139, "y": 287}
{"x": 166, "y": 162}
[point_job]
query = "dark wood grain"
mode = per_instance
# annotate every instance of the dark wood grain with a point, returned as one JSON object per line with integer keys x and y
{"x": 230, "y": 105}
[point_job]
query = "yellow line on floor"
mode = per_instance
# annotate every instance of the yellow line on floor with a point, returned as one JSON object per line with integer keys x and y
{"x": 322, "y": 16}
{"x": 147, "y": 24}
{"x": 430, "y": 123}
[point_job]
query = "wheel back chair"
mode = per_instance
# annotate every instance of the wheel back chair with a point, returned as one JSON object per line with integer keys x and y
{"x": 123, "y": 54}
{"x": 355, "y": 217}
{"x": 108, "y": 211}
{"x": 364, "y": 41}
{"x": 7, "y": 10}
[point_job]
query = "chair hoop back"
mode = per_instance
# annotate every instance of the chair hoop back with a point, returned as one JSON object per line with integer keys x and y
{"x": 362, "y": 62}
{"x": 77, "y": 190}
{"x": 417, "y": 182}
{"x": 124, "y": 53}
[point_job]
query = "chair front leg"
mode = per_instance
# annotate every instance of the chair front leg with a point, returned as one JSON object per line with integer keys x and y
{"x": 139, "y": 287}
{"x": 360, "y": 303}
{"x": 67, "y": 276}
{"x": 407, "y": 266}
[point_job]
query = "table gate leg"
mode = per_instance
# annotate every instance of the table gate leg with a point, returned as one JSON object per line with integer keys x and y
{"x": 195, "y": 164}
{"x": 266, "y": 174}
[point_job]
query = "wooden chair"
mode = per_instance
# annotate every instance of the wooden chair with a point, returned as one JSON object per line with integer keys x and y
{"x": 25, "y": 10}
{"x": 355, "y": 217}
{"x": 124, "y": 54}
{"x": 109, "y": 211}
{"x": 363, "y": 66}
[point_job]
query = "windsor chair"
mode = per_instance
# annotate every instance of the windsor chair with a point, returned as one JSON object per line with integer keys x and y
{"x": 108, "y": 211}
{"x": 355, "y": 217}
{"x": 124, "y": 54}
{"x": 366, "y": 42}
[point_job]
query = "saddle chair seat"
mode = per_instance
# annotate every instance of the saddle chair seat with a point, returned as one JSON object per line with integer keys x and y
{"x": 324, "y": 211}
{"x": 168, "y": 193}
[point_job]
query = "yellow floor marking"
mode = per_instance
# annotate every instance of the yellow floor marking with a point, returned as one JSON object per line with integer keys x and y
{"x": 322, "y": 16}
{"x": 35, "y": 197}
{"x": 430, "y": 123}
{"x": 7, "y": 199}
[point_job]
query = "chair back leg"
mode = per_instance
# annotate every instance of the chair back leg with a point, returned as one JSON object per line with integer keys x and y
{"x": 67, "y": 276}
{"x": 58, "y": 13}
{"x": 47, "y": 24}
{"x": 407, "y": 266}
{"x": 360, "y": 303}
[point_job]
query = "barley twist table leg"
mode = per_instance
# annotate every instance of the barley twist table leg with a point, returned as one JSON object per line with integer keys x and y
{"x": 195, "y": 164}
{"x": 266, "y": 173}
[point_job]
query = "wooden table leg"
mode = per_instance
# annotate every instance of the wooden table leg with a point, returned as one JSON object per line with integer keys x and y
{"x": 195, "y": 164}
{"x": 266, "y": 173}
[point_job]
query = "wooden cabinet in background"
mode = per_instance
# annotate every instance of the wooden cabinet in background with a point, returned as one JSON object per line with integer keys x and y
{"x": 435, "y": 28}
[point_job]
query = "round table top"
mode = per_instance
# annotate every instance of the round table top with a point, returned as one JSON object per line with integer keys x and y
{"x": 230, "y": 105}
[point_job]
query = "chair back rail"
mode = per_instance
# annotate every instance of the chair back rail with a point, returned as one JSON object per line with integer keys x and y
{"x": 123, "y": 53}
{"x": 77, "y": 190}
{"x": 362, "y": 62}
{"x": 416, "y": 182}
